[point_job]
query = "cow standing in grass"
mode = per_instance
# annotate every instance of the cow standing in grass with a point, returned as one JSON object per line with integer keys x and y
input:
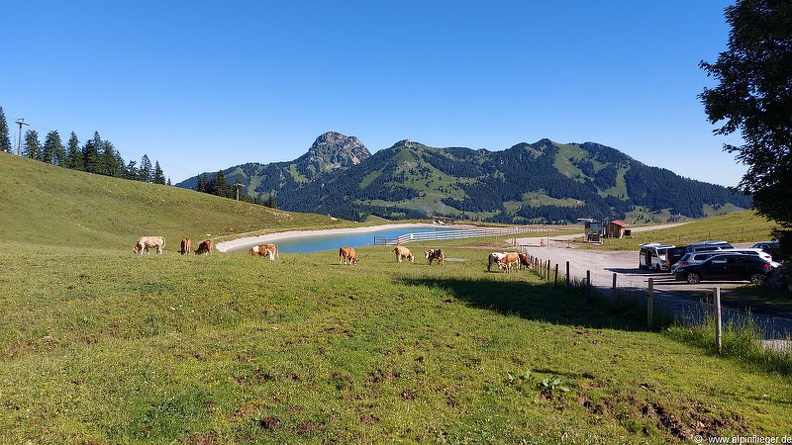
{"x": 403, "y": 253}
{"x": 186, "y": 246}
{"x": 494, "y": 258}
{"x": 205, "y": 248}
{"x": 435, "y": 254}
{"x": 268, "y": 250}
{"x": 148, "y": 242}
{"x": 509, "y": 261}
{"x": 346, "y": 255}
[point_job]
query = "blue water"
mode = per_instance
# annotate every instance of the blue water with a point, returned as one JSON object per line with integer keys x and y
{"x": 319, "y": 242}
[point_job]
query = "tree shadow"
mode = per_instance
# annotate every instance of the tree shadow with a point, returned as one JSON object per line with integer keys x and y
{"x": 538, "y": 302}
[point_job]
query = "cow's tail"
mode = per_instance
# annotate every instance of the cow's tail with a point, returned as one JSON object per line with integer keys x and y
{"x": 163, "y": 241}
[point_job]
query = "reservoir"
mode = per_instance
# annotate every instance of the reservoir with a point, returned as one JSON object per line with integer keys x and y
{"x": 304, "y": 242}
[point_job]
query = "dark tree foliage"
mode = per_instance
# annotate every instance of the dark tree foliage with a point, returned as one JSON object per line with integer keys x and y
{"x": 159, "y": 175}
{"x": 145, "y": 171}
{"x": 32, "y": 146}
{"x": 754, "y": 97}
{"x": 54, "y": 151}
{"x": 5, "y": 138}
{"x": 74, "y": 158}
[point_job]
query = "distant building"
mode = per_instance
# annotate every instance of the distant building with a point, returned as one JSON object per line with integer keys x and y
{"x": 616, "y": 229}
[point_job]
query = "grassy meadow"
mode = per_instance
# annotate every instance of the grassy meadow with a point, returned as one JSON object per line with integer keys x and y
{"x": 101, "y": 346}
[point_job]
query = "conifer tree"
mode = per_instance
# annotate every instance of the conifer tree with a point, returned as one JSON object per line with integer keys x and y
{"x": 159, "y": 175}
{"x": 54, "y": 152}
{"x": 5, "y": 139}
{"x": 74, "y": 158}
{"x": 146, "y": 171}
{"x": 32, "y": 147}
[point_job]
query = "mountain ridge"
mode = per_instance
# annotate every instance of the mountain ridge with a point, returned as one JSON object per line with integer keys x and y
{"x": 542, "y": 182}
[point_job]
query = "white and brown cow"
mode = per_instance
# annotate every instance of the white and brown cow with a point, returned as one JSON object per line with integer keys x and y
{"x": 186, "y": 246}
{"x": 509, "y": 261}
{"x": 268, "y": 250}
{"x": 205, "y": 248}
{"x": 435, "y": 254}
{"x": 346, "y": 255}
{"x": 494, "y": 258}
{"x": 403, "y": 253}
{"x": 147, "y": 242}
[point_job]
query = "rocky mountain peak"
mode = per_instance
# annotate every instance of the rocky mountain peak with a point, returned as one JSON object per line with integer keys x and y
{"x": 333, "y": 150}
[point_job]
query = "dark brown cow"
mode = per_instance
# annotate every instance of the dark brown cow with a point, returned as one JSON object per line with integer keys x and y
{"x": 205, "y": 248}
{"x": 346, "y": 255}
{"x": 435, "y": 254}
{"x": 186, "y": 246}
{"x": 147, "y": 242}
{"x": 524, "y": 261}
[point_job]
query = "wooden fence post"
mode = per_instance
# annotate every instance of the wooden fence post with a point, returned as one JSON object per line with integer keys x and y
{"x": 567, "y": 277}
{"x": 614, "y": 289}
{"x": 718, "y": 322}
{"x": 650, "y": 304}
{"x": 555, "y": 281}
{"x": 548, "y": 270}
{"x": 588, "y": 286}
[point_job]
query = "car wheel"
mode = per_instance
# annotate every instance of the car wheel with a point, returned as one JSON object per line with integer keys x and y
{"x": 757, "y": 278}
{"x": 693, "y": 278}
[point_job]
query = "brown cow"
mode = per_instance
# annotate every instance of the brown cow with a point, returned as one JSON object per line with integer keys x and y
{"x": 186, "y": 246}
{"x": 494, "y": 258}
{"x": 524, "y": 261}
{"x": 508, "y": 261}
{"x": 205, "y": 248}
{"x": 435, "y": 254}
{"x": 346, "y": 255}
{"x": 403, "y": 253}
{"x": 147, "y": 242}
{"x": 268, "y": 250}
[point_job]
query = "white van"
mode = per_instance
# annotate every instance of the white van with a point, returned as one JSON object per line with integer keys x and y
{"x": 654, "y": 256}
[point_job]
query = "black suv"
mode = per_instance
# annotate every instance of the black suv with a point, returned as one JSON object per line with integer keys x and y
{"x": 726, "y": 267}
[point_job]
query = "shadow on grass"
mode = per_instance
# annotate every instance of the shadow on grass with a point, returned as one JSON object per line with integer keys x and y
{"x": 539, "y": 302}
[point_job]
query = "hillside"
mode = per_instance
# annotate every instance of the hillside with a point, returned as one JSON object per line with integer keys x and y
{"x": 50, "y": 205}
{"x": 543, "y": 182}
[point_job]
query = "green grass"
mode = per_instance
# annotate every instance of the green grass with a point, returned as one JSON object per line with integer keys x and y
{"x": 50, "y": 205}
{"x": 103, "y": 346}
{"x": 100, "y": 346}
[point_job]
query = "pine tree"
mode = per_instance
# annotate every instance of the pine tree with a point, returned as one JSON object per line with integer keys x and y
{"x": 201, "y": 183}
{"x": 5, "y": 140}
{"x": 222, "y": 187}
{"x": 74, "y": 158}
{"x": 131, "y": 171}
{"x": 145, "y": 170}
{"x": 110, "y": 160}
{"x": 32, "y": 147}
{"x": 54, "y": 153}
{"x": 92, "y": 162}
{"x": 159, "y": 175}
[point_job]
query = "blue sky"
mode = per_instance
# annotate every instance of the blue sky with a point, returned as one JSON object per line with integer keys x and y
{"x": 201, "y": 86}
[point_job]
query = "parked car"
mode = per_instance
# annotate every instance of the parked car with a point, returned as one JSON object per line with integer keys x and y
{"x": 673, "y": 255}
{"x": 653, "y": 256}
{"x": 726, "y": 267}
{"x": 771, "y": 247}
{"x": 704, "y": 246}
{"x": 692, "y": 258}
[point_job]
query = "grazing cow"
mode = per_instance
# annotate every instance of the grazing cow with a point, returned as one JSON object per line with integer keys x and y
{"x": 524, "y": 261}
{"x": 205, "y": 248}
{"x": 147, "y": 242}
{"x": 268, "y": 250}
{"x": 435, "y": 254}
{"x": 347, "y": 255}
{"x": 186, "y": 245}
{"x": 494, "y": 258}
{"x": 403, "y": 253}
{"x": 508, "y": 261}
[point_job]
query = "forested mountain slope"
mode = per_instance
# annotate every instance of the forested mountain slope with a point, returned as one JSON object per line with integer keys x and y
{"x": 543, "y": 182}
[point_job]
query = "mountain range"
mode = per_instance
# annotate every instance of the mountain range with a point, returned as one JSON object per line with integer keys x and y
{"x": 542, "y": 182}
